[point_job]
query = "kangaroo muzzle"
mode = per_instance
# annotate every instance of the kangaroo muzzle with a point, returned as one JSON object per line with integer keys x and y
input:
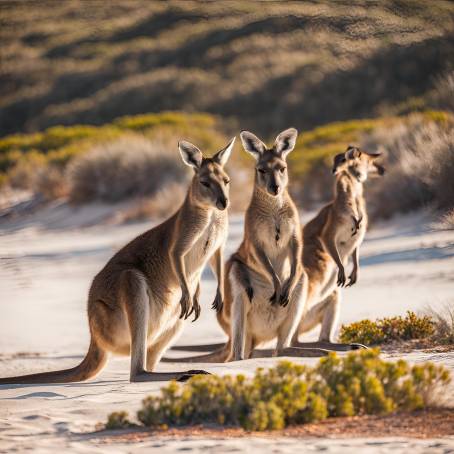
{"x": 221, "y": 203}
{"x": 274, "y": 189}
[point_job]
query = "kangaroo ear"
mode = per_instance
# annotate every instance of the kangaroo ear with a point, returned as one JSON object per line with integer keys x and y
{"x": 380, "y": 169}
{"x": 339, "y": 159}
{"x": 373, "y": 155}
{"x": 252, "y": 144}
{"x": 191, "y": 155}
{"x": 285, "y": 141}
{"x": 222, "y": 156}
{"x": 352, "y": 152}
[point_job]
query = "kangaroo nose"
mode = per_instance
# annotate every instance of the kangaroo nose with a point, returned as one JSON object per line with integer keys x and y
{"x": 275, "y": 189}
{"x": 221, "y": 204}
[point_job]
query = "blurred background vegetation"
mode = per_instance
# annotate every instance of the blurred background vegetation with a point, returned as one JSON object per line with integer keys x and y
{"x": 94, "y": 95}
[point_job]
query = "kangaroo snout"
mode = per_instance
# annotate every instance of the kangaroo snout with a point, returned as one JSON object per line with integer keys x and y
{"x": 222, "y": 203}
{"x": 274, "y": 189}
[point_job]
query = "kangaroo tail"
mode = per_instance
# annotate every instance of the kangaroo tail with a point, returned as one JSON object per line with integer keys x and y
{"x": 219, "y": 356}
{"x": 93, "y": 362}
{"x": 198, "y": 348}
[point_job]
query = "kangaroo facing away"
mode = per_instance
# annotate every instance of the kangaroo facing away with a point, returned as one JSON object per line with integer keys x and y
{"x": 266, "y": 286}
{"x": 137, "y": 302}
{"x": 330, "y": 239}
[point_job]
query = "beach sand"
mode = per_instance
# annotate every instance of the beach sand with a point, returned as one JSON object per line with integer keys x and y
{"x": 46, "y": 265}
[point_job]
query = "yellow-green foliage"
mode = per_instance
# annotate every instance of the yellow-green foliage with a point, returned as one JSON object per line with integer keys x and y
{"x": 59, "y": 144}
{"x": 356, "y": 384}
{"x": 388, "y": 329}
{"x": 118, "y": 420}
{"x": 321, "y": 144}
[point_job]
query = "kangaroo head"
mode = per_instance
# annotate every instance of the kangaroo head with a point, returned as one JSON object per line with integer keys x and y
{"x": 210, "y": 185}
{"x": 358, "y": 163}
{"x": 271, "y": 164}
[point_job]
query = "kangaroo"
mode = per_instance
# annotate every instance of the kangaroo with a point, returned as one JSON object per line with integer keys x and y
{"x": 137, "y": 302}
{"x": 330, "y": 239}
{"x": 266, "y": 287}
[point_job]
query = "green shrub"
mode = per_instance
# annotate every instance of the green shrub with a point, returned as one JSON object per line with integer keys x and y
{"x": 356, "y": 384}
{"x": 118, "y": 420}
{"x": 388, "y": 329}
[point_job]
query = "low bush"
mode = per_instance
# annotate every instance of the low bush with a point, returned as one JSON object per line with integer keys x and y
{"x": 443, "y": 318}
{"x": 129, "y": 167}
{"x": 60, "y": 145}
{"x": 162, "y": 205}
{"x": 446, "y": 221}
{"x": 443, "y": 96}
{"x": 388, "y": 329}
{"x": 420, "y": 166}
{"x": 118, "y": 420}
{"x": 356, "y": 384}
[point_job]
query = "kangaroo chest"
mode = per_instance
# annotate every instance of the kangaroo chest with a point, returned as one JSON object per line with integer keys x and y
{"x": 274, "y": 233}
{"x": 351, "y": 235}
{"x": 205, "y": 246}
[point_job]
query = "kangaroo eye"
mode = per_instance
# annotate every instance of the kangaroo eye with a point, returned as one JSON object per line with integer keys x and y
{"x": 282, "y": 170}
{"x": 226, "y": 181}
{"x": 261, "y": 170}
{"x": 205, "y": 183}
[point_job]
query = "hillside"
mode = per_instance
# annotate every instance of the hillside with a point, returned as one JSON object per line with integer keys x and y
{"x": 267, "y": 65}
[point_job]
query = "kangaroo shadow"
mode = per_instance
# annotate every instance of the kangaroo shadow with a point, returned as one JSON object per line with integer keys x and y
{"x": 410, "y": 255}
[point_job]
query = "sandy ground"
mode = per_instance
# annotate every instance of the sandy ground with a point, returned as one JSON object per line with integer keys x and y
{"x": 46, "y": 266}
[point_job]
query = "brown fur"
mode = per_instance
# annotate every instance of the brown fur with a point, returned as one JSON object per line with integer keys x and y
{"x": 331, "y": 239}
{"x": 265, "y": 289}
{"x": 137, "y": 301}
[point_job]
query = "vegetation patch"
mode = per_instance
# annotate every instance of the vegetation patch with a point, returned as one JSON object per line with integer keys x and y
{"x": 437, "y": 328}
{"x": 360, "y": 383}
{"x": 118, "y": 420}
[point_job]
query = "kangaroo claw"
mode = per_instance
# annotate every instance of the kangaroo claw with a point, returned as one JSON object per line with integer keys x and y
{"x": 250, "y": 293}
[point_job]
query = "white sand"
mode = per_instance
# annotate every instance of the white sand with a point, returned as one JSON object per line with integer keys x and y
{"x": 45, "y": 272}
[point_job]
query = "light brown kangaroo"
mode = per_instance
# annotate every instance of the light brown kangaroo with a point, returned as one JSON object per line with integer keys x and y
{"x": 266, "y": 287}
{"x": 137, "y": 301}
{"x": 330, "y": 239}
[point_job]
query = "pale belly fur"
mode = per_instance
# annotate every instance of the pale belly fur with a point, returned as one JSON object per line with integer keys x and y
{"x": 263, "y": 318}
{"x": 164, "y": 315}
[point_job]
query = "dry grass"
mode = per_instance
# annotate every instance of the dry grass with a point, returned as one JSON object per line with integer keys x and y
{"x": 269, "y": 64}
{"x": 129, "y": 167}
{"x": 420, "y": 164}
{"x": 443, "y": 317}
{"x": 446, "y": 221}
{"x": 162, "y": 205}
{"x": 51, "y": 183}
{"x": 444, "y": 91}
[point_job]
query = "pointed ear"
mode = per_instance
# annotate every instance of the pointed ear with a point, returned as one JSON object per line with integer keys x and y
{"x": 191, "y": 155}
{"x": 222, "y": 156}
{"x": 352, "y": 152}
{"x": 252, "y": 144}
{"x": 373, "y": 155}
{"x": 285, "y": 142}
{"x": 339, "y": 159}
{"x": 380, "y": 169}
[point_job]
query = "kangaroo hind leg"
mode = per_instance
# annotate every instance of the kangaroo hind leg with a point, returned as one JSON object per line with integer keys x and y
{"x": 326, "y": 313}
{"x": 134, "y": 297}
